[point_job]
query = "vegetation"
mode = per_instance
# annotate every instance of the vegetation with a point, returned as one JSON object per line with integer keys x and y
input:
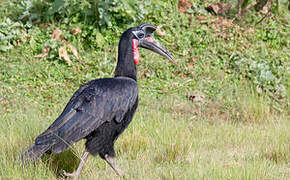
{"x": 221, "y": 113}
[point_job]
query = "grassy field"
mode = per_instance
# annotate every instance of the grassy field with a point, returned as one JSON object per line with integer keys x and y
{"x": 221, "y": 113}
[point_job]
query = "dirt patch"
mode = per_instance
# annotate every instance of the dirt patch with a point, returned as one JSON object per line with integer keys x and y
{"x": 183, "y": 5}
{"x": 277, "y": 155}
{"x": 195, "y": 97}
{"x": 220, "y": 25}
{"x": 223, "y": 23}
{"x": 218, "y": 9}
{"x": 199, "y": 107}
{"x": 214, "y": 111}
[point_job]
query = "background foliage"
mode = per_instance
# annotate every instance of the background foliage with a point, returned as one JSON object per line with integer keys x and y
{"x": 224, "y": 107}
{"x": 101, "y": 21}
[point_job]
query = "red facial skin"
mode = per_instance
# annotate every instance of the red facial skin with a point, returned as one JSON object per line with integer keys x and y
{"x": 135, "y": 51}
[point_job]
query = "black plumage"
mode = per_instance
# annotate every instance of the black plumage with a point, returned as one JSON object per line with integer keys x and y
{"x": 100, "y": 110}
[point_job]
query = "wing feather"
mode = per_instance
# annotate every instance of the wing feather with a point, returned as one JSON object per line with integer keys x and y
{"x": 93, "y": 104}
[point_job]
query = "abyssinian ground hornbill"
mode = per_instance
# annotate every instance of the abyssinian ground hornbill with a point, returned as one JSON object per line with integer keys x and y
{"x": 100, "y": 110}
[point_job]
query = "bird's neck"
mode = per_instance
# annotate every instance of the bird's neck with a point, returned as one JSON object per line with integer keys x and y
{"x": 125, "y": 66}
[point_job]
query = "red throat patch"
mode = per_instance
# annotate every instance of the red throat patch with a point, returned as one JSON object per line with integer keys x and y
{"x": 135, "y": 51}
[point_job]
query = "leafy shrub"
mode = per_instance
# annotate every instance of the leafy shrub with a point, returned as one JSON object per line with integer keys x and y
{"x": 103, "y": 14}
{"x": 197, "y": 39}
{"x": 11, "y": 34}
{"x": 265, "y": 75}
{"x": 31, "y": 12}
{"x": 274, "y": 34}
{"x": 90, "y": 15}
{"x": 47, "y": 11}
{"x": 119, "y": 13}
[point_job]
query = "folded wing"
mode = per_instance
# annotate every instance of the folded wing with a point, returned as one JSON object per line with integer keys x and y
{"x": 93, "y": 104}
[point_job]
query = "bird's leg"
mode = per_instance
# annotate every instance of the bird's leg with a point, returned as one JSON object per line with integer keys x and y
{"x": 76, "y": 173}
{"x": 112, "y": 163}
{"x": 240, "y": 3}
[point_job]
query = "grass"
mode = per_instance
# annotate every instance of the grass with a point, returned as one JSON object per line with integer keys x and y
{"x": 159, "y": 144}
{"x": 238, "y": 130}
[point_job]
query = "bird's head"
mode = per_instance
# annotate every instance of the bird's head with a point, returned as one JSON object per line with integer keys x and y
{"x": 131, "y": 39}
{"x": 143, "y": 36}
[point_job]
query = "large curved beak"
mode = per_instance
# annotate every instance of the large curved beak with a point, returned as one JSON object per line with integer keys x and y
{"x": 153, "y": 45}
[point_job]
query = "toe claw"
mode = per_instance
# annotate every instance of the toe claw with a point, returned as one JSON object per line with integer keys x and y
{"x": 68, "y": 174}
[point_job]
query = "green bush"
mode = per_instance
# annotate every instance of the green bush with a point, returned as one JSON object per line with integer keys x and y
{"x": 11, "y": 33}
{"x": 195, "y": 43}
{"x": 265, "y": 75}
{"x": 102, "y": 14}
{"x": 91, "y": 16}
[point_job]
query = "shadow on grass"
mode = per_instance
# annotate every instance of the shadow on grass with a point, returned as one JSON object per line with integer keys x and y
{"x": 66, "y": 160}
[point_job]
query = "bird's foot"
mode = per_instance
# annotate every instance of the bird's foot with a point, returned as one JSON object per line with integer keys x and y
{"x": 112, "y": 163}
{"x": 68, "y": 174}
{"x": 118, "y": 171}
{"x": 73, "y": 175}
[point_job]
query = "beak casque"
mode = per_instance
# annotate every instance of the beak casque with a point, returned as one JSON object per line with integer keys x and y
{"x": 150, "y": 43}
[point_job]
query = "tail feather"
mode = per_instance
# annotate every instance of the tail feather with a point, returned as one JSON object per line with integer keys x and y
{"x": 33, "y": 152}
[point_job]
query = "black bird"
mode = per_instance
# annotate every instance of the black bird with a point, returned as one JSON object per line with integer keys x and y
{"x": 100, "y": 110}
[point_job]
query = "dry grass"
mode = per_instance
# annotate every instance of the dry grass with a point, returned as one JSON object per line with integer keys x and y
{"x": 231, "y": 133}
{"x": 163, "y": 142}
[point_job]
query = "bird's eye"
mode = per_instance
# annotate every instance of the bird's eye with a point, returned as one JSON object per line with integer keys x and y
{"x": 141, "y": 35}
